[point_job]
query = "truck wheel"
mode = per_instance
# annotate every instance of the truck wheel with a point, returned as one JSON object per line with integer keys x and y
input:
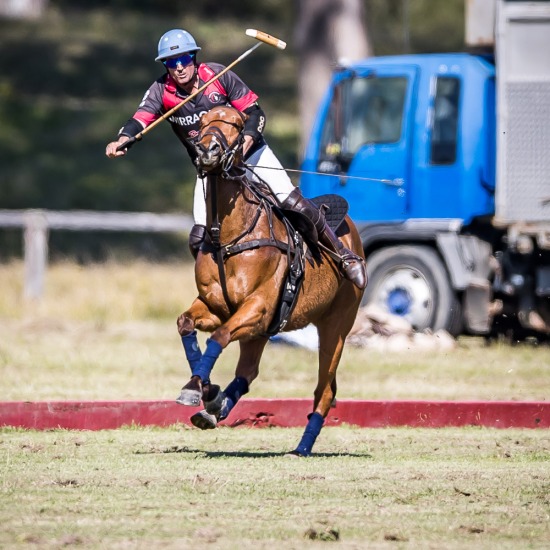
{"x": 411, "y": 281}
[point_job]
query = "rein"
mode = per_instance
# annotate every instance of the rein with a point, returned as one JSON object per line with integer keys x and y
{"x": 335, "y": 257}
{"x": 265, "y": 204}
{"x": 222, "y": 251}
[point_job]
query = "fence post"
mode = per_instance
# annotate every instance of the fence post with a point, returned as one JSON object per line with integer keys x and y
{"x": 36, "y": 253}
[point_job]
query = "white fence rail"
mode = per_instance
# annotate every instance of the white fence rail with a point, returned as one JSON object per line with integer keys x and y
{"x": 37, "y": 224}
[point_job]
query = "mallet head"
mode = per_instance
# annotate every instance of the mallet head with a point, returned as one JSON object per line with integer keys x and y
{"x": 267, "y": 38}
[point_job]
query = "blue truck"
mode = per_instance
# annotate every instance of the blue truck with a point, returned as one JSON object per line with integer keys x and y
{"x": 445, "y": 162}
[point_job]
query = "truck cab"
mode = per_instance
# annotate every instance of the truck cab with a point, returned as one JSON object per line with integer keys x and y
{"x": 408, "y": 137}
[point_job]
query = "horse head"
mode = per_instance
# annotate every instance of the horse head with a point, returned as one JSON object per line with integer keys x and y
{"x": 220, "y": 140}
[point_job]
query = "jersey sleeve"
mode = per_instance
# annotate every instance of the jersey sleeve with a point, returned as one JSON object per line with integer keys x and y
{"x": 151, "y": 107}
{"x": 238, "y": 93}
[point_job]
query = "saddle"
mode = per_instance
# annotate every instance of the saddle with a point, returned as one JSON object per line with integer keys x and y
{"x": 335, "y": 209}
{"x": 299, "y": 229}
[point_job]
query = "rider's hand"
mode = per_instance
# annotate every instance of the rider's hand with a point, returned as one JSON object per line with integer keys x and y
{"x": 111, "y": 150}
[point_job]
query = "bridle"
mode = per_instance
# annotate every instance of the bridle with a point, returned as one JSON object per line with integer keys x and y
{"x": 229, "y": 150}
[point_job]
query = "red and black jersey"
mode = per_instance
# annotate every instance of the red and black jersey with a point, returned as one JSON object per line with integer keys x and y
{"x": 164, "y": 94}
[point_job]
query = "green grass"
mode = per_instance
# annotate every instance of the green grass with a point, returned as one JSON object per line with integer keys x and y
{"x": 235, "y": 488}
{"x": 45, "y": 359}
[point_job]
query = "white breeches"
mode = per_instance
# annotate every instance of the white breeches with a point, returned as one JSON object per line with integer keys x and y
{"x": 265, "y": 165}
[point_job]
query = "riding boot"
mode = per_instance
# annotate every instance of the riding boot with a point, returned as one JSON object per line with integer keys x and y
{"x": 196, "y": 238}
{"x": 351, "y": 266}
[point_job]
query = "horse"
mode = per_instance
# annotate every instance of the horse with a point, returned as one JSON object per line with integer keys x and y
{"x": 240, "y": 272}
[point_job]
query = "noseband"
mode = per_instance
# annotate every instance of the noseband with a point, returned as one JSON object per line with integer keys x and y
{"x": 229, "y": 150}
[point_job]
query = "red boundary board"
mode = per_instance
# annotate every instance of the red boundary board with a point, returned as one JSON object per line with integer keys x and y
{"x": 100, "y": 415}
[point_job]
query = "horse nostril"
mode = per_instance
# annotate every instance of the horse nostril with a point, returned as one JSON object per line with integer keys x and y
{"x": 208, "y": 155}
{"x": 214, "y": 147}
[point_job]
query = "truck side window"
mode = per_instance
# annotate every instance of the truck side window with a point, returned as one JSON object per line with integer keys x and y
{"x": 363, "y": 111}
{"x": 445, "y": 120}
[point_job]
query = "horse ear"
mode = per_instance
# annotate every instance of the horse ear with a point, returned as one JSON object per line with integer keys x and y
{"x": 244, "y": 116}
{"x": 202, "y": 118}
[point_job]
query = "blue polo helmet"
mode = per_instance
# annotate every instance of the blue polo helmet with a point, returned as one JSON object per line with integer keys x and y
{"x": 175, "y": 42}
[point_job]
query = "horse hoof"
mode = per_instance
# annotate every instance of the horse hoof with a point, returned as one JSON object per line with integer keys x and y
{"x": 190, "y": 398}
{"x": 295, "y": 454}
{"x": 215, "y": 405}
{"x": 204, "y": 420}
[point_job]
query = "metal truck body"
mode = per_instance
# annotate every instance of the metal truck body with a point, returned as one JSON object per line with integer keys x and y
{"x": 445, "y": 162}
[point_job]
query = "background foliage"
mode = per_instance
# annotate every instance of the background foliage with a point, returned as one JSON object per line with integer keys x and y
{"x": 71, "y": 79}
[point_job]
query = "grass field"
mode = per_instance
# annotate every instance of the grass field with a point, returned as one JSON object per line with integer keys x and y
{"x": 235, "y": 489}
{"x": 108, "y": 332}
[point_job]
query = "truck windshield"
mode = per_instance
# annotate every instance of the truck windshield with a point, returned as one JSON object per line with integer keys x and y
{"x": 363, "y": 111}
{"x": 445, "y": 120}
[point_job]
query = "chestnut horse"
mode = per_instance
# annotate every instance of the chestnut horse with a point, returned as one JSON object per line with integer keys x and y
{"x": 239, "y": 292}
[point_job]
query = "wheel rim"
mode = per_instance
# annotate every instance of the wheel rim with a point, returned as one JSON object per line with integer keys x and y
{"x": 406, "y": 292}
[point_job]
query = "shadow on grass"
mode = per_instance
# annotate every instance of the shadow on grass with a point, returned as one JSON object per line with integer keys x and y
{"x": 245, "y": 454}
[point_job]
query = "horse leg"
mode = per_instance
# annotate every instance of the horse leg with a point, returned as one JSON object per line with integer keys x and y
{"x": 246, "y": 322}
{"x": 332, "y": 336}
{"x": 221, "y": 404}
{"x": 198, "y": 315}
{"x": 194, "y": 355}
{"x": 324, "y": 396}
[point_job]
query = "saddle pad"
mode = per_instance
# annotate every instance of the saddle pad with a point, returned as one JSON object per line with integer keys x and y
{"x": 337, "y": 209}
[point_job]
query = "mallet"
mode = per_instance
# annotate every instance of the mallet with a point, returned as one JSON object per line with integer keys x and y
{"x": 258, "y": 35}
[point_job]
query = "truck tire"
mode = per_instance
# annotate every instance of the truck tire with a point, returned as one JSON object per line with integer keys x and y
{"x": 411, "y": 281}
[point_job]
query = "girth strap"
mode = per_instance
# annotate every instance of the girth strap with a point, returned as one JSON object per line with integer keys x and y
{"x": 293, "y": 250}
{"x": 251, "y": 245}
{"x": 289, "y": 297}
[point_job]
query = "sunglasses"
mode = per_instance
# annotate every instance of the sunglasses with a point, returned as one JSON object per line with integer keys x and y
{"x": 182, "y": 60}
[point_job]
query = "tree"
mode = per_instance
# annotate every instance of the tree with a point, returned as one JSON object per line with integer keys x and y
{"x": 327, "y": 32}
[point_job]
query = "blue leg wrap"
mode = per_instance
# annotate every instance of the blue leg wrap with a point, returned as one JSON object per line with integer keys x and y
{"x": 206, "y": 363}
{"x": 236, "y": 389}
{"x": 311, "y": 432}
{"x": 192, "y": 349}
